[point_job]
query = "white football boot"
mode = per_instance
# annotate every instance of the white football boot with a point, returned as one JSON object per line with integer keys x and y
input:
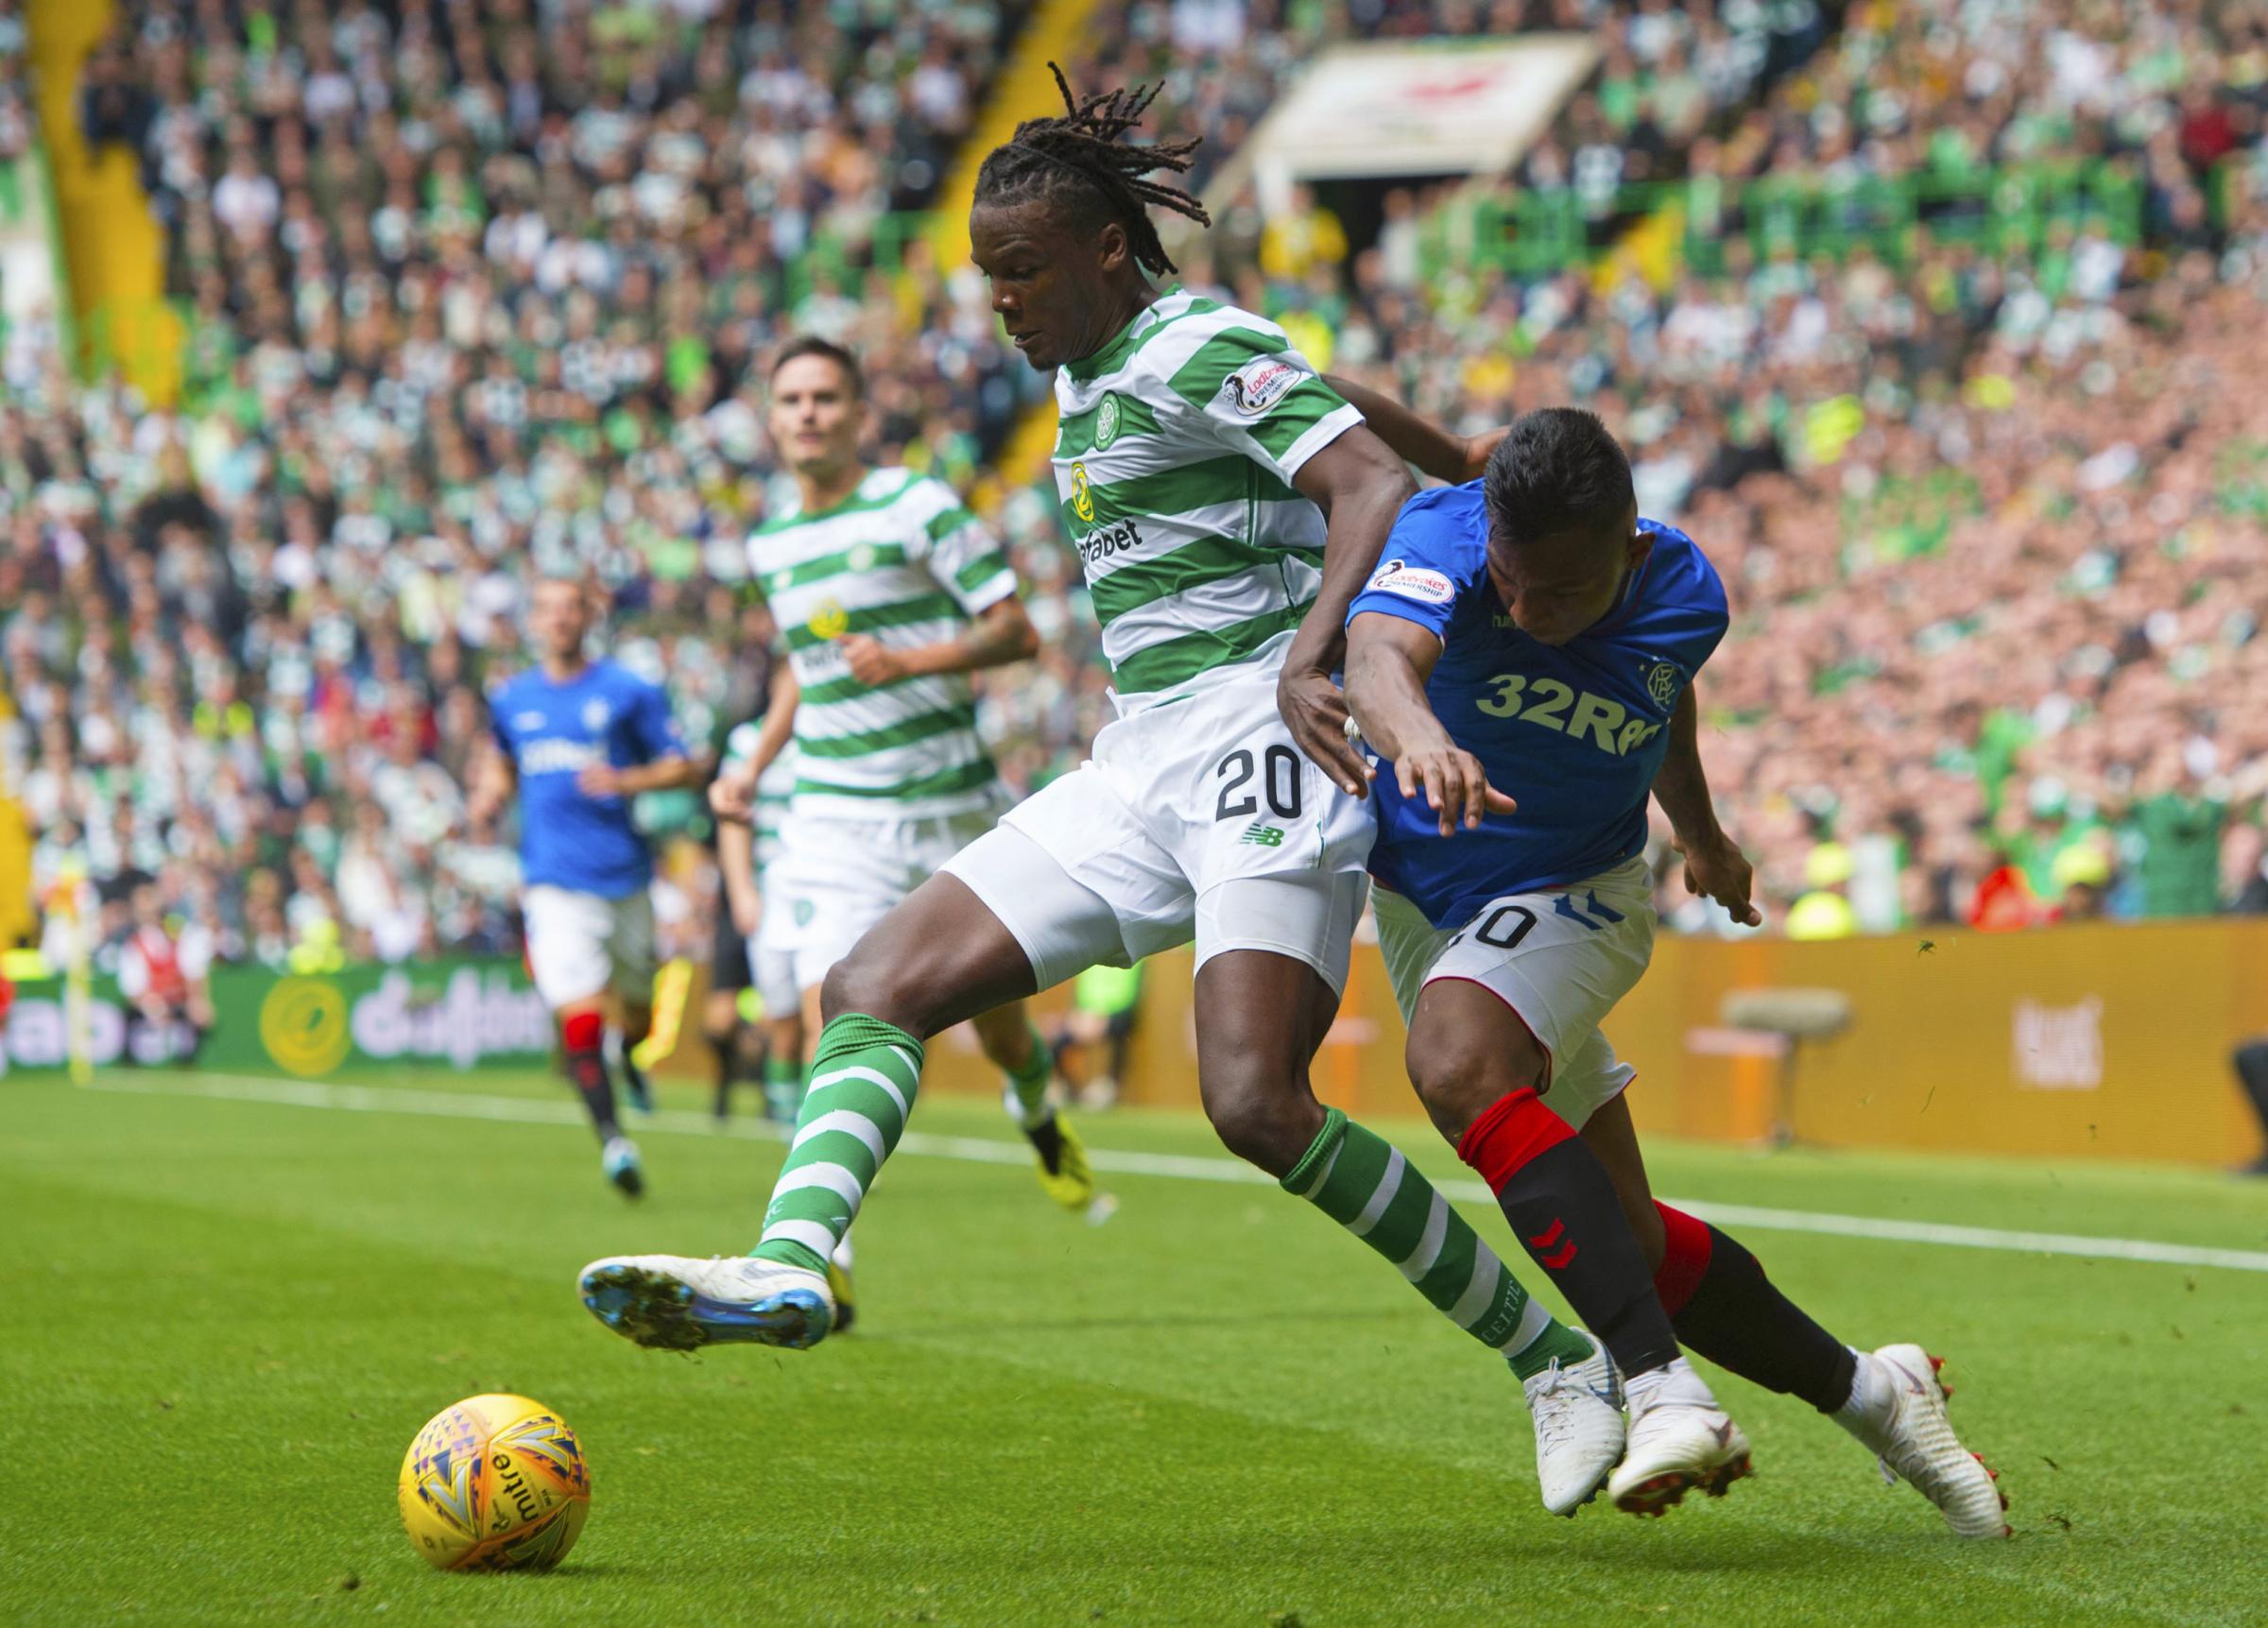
{"x": 676, "y": 1303}
{"x": 1897, "y": 1409}
{"x": 1579, "y": 1428}
{"x": 1680, "y": 1440}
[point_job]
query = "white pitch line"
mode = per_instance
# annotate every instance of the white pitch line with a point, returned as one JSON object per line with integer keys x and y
{"x": 1181, "y": 1167}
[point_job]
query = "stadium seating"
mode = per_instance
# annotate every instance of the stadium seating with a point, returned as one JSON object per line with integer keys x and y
{"x": 467, "y": 300}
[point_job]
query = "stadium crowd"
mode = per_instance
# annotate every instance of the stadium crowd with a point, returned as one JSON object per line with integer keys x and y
{"x": 472, "y": 293}
{"x": 479, "y": 292}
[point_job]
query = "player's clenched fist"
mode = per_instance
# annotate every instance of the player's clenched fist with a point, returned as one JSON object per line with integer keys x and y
{"x": 1457, "y": 787}
{"x": 732, "y": 794}
{"x": 871, "y": 661}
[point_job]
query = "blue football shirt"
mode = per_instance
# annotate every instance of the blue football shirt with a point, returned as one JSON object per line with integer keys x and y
{"x": 1576, "y": 734}
{"x": 552, "y": 732}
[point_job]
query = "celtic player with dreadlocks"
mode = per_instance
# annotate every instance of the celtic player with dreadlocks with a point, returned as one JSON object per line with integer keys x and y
{"x": 1228, "y": 506}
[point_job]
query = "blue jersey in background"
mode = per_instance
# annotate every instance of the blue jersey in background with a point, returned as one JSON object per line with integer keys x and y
{"x": 552, "y": 732}
{"x": 1576, "y": 734}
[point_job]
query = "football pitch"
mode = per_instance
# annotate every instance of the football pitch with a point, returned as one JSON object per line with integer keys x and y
{"x": 230, "y": 1304}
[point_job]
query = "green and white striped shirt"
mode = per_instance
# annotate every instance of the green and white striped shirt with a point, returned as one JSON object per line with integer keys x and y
{"x": 1174, "y": 464}
{"x": 773, "y": 786}
{"x": 901, "y": 560}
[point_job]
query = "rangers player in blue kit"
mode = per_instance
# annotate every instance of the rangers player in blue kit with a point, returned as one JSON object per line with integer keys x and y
{"x": 579, "y": 739}
{"x": 1523, "y": 659}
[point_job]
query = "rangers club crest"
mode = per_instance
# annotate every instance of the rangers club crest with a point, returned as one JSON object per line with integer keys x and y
{"x": 594, "y": 714}
{"x": 1663, "y": 681}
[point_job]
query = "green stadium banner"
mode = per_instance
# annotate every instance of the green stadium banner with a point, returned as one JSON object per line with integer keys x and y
{"x": 458, "y": 1013}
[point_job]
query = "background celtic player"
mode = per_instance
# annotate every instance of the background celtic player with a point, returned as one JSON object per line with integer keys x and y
{"x": 889, "y": 593}
{"x": 1227, "y": 506}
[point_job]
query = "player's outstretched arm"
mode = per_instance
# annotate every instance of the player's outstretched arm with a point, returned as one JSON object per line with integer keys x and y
{"x": 997, "y": 635}
{"x": 1360, "y": 487}
{"x": 1416, "y": 441}
{"x": 732, "y": 794}
{"x": 1388, "y": 660}
{"x": 1714, "y": 865}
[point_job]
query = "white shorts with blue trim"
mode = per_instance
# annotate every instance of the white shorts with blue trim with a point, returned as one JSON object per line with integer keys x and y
{"x": 1560, "y": 958}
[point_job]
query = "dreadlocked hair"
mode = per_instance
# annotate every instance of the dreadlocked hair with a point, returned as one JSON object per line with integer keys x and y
{"x": 1084, "y": 158}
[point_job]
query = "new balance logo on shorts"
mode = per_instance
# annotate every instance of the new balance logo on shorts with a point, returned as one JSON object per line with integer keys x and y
{"x": 1260, "y": 835}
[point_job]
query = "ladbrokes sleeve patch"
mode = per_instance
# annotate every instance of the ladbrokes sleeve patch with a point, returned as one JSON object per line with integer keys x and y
{"x": 1259, "y": 384}
{"x": 1412, "y": 582}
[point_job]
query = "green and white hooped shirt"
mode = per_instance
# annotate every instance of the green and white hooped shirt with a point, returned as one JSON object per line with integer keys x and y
{"x": 1174, "y": 463}
{"x": 902, "y": 560}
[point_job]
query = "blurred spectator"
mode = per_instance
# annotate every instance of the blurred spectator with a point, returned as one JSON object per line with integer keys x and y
{"x": 1825, "y": 911}
{"x": 163, "y": 974}
{"x": 1305, "y": 238}
{"x": 2180, "y": 831}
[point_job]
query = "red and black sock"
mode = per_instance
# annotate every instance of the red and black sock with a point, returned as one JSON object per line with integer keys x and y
{"x": 1561, "y": 1204}
{"x": 1724, "y": 1306}
{"x": 584, "y": 1033}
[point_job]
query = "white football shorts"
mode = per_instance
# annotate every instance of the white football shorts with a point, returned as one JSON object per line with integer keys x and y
{"x": 582, "y": 944}
{"x": 1197, "y": 818}
{"x": 772, "y": 949}
{"x": 838, "y": 876}
{"x": 1559, "y": 958}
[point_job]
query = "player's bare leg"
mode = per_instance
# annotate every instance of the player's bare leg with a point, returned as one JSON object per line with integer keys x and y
{"x": 1481, "y": 1073}
{"x": 1027, "y": 1070}
{"x": 1260, "y": 1018}
{"x": 1723, "y": 1306}
{"x": 937, "y": 959}
{"x": 583, "y": 1043}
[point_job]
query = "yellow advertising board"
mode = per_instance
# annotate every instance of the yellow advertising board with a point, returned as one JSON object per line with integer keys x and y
{"x": 2098, "y": 1041}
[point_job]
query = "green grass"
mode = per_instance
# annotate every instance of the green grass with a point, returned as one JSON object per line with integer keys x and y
{"x": 223, "y": 1320}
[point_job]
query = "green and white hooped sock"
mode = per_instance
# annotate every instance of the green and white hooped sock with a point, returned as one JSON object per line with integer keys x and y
{"x": 1027, "y": 1086}
{"x": 1366, "y": 1186}
{"x": 864, "y": 1076}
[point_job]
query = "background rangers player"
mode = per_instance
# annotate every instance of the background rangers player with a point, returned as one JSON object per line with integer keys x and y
{"x": 578, "y": 739}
